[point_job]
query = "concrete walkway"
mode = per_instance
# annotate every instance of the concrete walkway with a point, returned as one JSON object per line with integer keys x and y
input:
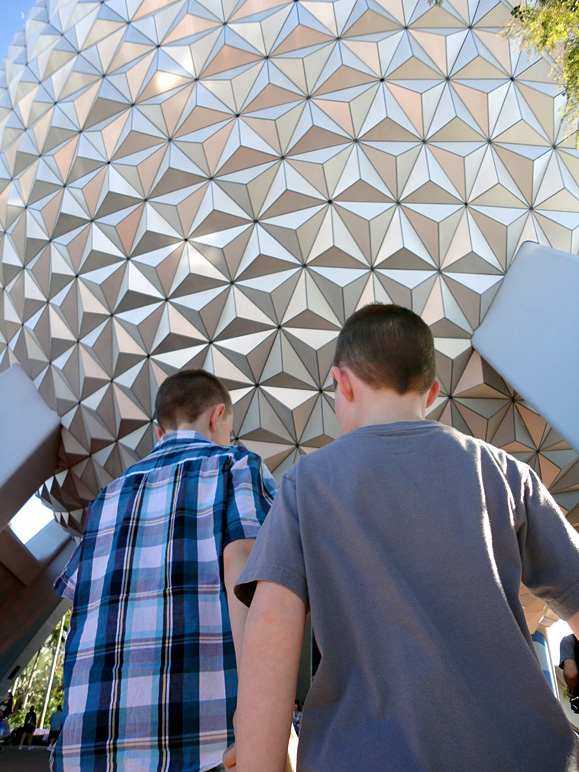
{"x": 13, "y": 760}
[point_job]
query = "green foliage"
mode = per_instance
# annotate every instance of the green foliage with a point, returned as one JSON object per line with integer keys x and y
{"x": 552, "y": 27}
{"x": 39, "y": 667}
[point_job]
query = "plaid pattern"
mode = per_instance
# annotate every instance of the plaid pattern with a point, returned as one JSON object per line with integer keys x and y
{"x": 149, "y": 674}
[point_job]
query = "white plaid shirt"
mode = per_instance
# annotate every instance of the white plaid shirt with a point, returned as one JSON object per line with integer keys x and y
{"x": 149, "y": 674}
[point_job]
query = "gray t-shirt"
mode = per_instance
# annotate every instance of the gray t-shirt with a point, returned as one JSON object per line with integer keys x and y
{"x": 409, "y": 541}
{"x": 55, "y": 721}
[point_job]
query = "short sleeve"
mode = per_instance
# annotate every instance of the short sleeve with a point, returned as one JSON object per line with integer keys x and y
{"x": 549, "y": 549}
{"x": 65, "y": 585}
{"x": 277, "y": 555}
{"x": 250, "y": 493}
{"x": 567, "y": 649}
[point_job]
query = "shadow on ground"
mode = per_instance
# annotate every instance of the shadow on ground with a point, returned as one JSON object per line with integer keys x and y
{"x": 13, "y": 760}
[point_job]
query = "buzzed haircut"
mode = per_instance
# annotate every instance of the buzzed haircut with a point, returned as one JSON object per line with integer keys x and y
{"x": 388, "y": 346}
{"x": 185, "y": 395}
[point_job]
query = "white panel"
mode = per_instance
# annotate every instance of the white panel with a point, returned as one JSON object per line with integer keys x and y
{"x": 530, "y": 334}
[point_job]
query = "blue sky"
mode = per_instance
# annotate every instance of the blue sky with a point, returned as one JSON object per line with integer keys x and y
{"x": 13, "y": 14}
{"x": 32, "y": 518}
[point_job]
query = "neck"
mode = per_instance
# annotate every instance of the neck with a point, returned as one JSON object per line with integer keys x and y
{"x": 388, "y": 407}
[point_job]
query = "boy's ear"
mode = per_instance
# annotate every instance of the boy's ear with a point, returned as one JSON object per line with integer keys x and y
{"x": 215, "y": 416}
{"x": 159, "y": 432}
{"x": 344, "y": 382}
{"x": 433, "y": 394}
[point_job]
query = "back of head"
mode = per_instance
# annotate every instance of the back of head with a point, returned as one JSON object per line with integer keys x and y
{"x": 388, "y": 346}
{"x": 185, "y": 395}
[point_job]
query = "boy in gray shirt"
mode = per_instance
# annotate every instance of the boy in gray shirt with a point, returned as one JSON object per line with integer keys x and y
{"x": 408, "y": 542}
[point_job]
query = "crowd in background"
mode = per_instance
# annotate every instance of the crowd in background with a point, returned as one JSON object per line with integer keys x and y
{"x": 23, "y": 735}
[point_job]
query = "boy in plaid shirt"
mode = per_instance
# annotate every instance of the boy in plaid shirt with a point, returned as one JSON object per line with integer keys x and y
{"x": 150, "y": 667}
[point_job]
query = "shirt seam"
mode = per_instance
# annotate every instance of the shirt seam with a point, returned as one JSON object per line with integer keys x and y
{"x": 559, "y": 601}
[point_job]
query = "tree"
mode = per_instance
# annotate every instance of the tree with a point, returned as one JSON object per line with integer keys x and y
{"x": 552, "y": 27}
{"x": 34, "y": 680}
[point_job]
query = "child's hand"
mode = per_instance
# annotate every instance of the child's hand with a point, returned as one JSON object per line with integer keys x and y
{"x": 230, "y": 757}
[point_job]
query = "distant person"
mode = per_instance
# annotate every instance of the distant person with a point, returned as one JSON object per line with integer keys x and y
{"x": 55, "y": 724}
{"x": 6, "y": 706}
{"x": 408, "y": 541}
{"x": 28, "y": 729}
{"x": 297, "y": 716}
{"x": 5, "y": 711}
{"x": 569, "y": 657}
{"x": 150, "y": 672}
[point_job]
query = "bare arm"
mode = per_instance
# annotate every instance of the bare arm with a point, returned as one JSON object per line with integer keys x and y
{"x": 570, "y": 674}
{"x": 267, "y": 678}
{"x": 235, "y": 557}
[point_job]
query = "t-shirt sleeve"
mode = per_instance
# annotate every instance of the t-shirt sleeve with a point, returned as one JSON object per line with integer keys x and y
{"x": 549, "y": 549}
{"x": 566, "y": 649}
{"x": 250, "y": 493}
{"x": 277, "y": 555}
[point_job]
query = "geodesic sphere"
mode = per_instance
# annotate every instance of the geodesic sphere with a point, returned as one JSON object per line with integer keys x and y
{"x": 221, "y": 183}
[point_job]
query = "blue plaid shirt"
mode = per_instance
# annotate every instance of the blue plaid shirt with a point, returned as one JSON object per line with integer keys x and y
{"x": 149, "y": 673}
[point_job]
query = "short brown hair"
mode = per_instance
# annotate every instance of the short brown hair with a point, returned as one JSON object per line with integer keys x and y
{"x": 185, "y": 395}
{"x": 388, "y": 346}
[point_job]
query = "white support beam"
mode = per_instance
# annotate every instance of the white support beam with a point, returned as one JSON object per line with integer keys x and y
{"x": 530, "y": 334}
{"x": 29, "y": 441}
